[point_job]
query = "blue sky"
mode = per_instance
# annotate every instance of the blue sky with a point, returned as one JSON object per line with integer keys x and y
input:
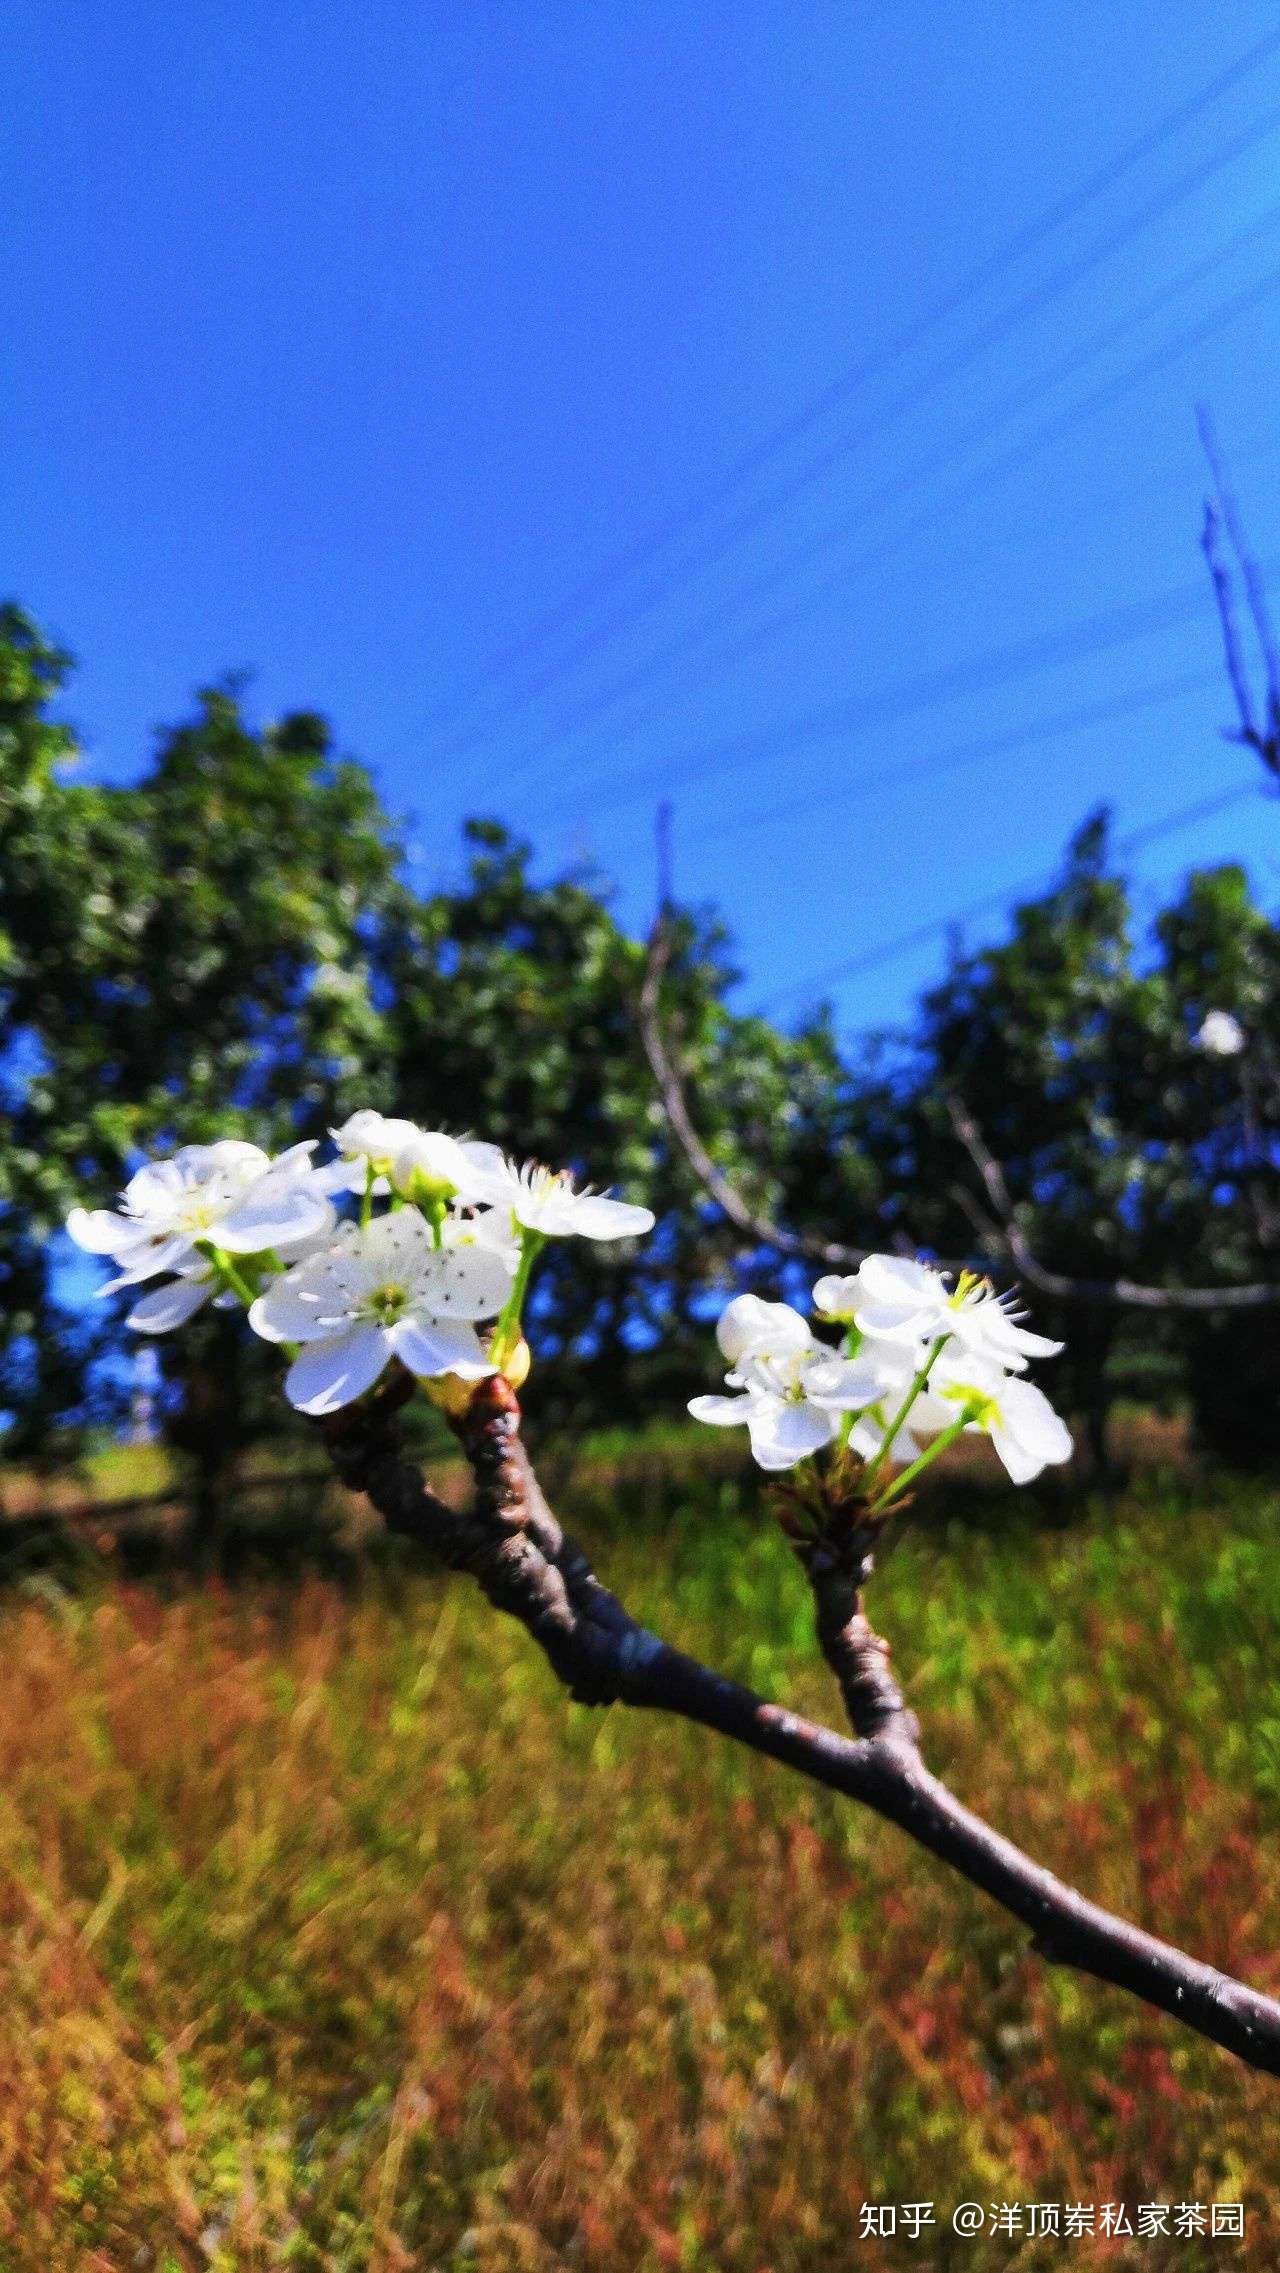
{"x": 362, "y": 346}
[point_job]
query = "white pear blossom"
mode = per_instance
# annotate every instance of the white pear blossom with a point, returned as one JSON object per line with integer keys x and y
{"x": 399, "y": 1153}
{"x": 448, "y": 1165}
{"x": 171, "y": 1305}
{"x": 544, "y": 1199}
{"x": 1221, "y": 1035}
{"x": 889, "y": 1296}
{"x": 990, "y": 1325}
{"x": 483, "y": 1227}
{"x": 367, "y": 1141}
{"x": 896, "y": 1299}
{"x": 229, "y": 1195}
{"x": 749, "y": 1323}
{"x": 380, "y": 1291}
{"x": 793, "y": 1389}
{"x": 1023, "y": 1427}
{"x": 895, "y": 1366}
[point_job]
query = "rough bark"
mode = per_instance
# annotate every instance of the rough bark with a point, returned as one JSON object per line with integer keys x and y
{"x": 509, "y": 1541}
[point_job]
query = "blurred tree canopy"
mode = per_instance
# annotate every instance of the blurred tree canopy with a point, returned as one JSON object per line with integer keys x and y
{"x": 233, "y": 942}
{"x": 1128, "y": 1149}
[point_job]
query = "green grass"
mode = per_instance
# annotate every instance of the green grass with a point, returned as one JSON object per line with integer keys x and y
{"x": 334, "y": 1938}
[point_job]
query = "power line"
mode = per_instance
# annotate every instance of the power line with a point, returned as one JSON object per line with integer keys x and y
{"x": 857, "y": 374}
{"x": 1113, "y": 627}
{"x": 1018, "y": 454}
{"x": 996, "y": 329}
{"x": 889, "y": 950}
{"x": 1019, "y": 738}
{"x": 691, "y": 637}
{"x": 940, "y": 567}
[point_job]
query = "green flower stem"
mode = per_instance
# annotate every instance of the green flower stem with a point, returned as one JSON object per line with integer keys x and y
{"x": 366, "y": 1197}
{"x": 876, "y": 1463}
{"x": 506, "y": 1332}
{"x": 230, "y": 1273}
{"x": 849, "y": 1347}
{"x": 941, "y": 1441}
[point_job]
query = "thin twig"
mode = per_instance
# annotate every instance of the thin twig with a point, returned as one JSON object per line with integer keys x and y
{"x": 1265, "y": 742}
{"x": 1087, "y": 1293}
{"x": 511, "y": 1543}
{"x": 1106, "y": 1294}
{"x": 760, "y": 1229}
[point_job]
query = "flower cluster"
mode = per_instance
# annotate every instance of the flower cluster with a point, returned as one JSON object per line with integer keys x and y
{"x": 920, "y": 1362}
{"x": 1221, "y": 1035}
{"x": 443, "y": 1244}
{"x": 415, "y": 1247}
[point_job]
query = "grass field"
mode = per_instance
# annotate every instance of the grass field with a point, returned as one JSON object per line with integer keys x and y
{"x": 334, "y": 1938}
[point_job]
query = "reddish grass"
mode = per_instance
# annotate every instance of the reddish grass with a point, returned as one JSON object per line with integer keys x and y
{"x": 334, "y": 1938}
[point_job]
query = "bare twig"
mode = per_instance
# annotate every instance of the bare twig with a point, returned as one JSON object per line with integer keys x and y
{"x": 758, "y": 1228}
{"x": 1106, "y": 1294}
{"x": 511, "y": 1543}
{"x": 1087, "y": 1293}
{"x": 1222, "y": 512}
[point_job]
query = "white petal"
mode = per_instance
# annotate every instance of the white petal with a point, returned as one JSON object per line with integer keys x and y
{"x": 169, "y": 1306}
{"x": 298, "y": 1307}
{"x": 1028, "y": 1434}
{"x": 484, "y": 1163}
{"x": 868, "y": 1434}
{"x": 149, "y": 1258}
{"x": 899, "y": 1279}
{"x": 1014, "y": 1344}
{"x": 748, "y": 1324}
{"x": 463, "y": 1282}
{"x": 331, "y": 1374}
{"x": 394, "y": 1244}
{"x": 894, "y": 1363}
{"x": 273, "y": 1214}
{"x": 722, "y": 1412}
{"x": 433, "y": 1155}
{"x": 100, "y": 1231}
{"x": 841, "y": 1385}
{"x": 898, "y": 1298}
{"x": 154, "y": 1186}
{"x": 358, "y": 1130}
{"x": 929, "y": 1414}
{"x": 228, "y": 1152}
{"x": 489, "y": 1228}
{"x": 592, "y": 1216}
{"x": 430, "y": 1349}
{"x": 490, "y": 1177}
{"x": 837, "y": 1297}
{"x": 296, "y": 1161}
{"x": 372, "y": 1136}
{"x": 342, "y": 1175}
{"x": 783, "y": 1433}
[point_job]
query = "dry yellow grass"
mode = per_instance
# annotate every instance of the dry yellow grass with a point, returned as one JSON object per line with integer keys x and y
{"x": 333, "y": 1938}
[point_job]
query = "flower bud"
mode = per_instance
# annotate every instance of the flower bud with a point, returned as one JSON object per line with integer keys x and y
{"x": 430, "y": 1193}
{"x": 428, "y": 1170}
{"x": 449, "y": 1391}
{"x": 516, "y": 1366}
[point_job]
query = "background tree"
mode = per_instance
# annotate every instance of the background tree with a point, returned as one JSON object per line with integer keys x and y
{"x": 174, "y": 954}
{"x": 512, "y": 1003}
{"x": 1214, "y": 1205}
{"x": 235, "y": 933}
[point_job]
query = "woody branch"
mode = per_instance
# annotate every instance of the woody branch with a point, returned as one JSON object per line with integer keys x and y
{"x": 1087, "y": 1293}
{"x": 510, "y": 1542}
